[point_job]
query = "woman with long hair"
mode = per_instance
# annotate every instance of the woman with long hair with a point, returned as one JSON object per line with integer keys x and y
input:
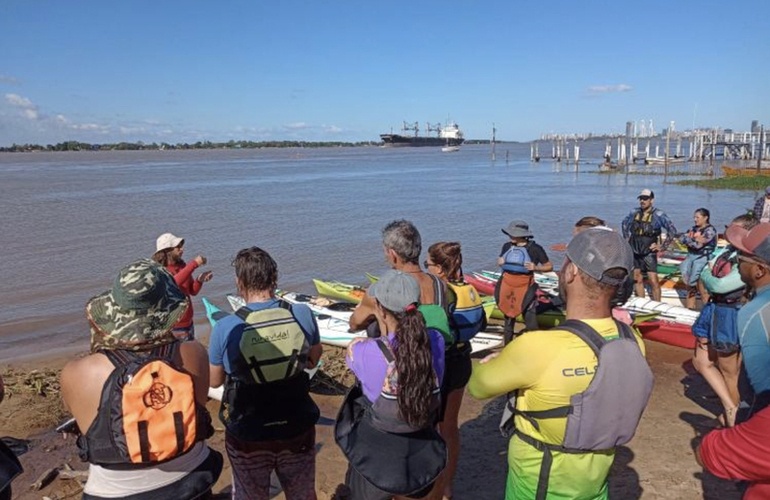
{"x": 387, "y": 425}
{"x": 445, "y": 260}
{"x": 717, "y": 353}
{"x": 700, "y": 240}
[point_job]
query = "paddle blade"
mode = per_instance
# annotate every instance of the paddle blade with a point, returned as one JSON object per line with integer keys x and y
{"x": 559, "y": 247}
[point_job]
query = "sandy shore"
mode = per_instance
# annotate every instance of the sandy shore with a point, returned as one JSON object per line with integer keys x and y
{"x": 658, "y": 463}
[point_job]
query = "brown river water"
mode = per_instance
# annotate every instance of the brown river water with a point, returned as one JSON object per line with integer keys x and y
{"x": 70, "y": 221}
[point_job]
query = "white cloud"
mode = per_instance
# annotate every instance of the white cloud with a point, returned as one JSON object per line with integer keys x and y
{"x": 28, "y": 108}
{"x": 297, "y": 126}
{"x": 606, "y": 89}
{"x": 17, "y": 100}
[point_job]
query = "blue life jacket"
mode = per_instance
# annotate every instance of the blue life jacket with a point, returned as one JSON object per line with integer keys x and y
{"x": 514, "y": 260}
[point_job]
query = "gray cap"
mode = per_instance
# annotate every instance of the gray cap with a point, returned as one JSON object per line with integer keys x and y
{"x": 518, "y": 229}
{"x": 767, "y": 190}
{"x": 599, "y": 249}
{"x": 395, "y": 290}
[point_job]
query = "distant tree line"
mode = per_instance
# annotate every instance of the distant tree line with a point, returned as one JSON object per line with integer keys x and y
{"x": 138, "y": 146}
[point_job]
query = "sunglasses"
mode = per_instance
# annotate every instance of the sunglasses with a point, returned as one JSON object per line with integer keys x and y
{"x": 644, "y": 198}
{"x": 750, "y": 260}
{"x": 427, "y": 264}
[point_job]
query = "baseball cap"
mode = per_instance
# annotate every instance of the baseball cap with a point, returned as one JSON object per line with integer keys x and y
{"x": 755, "y": 241}
{"x": 518, "y": 229}
{"x": 395, "y": 290}
{"x": 599, "y": 249}
{"x": 767, "y": 190}
{"x": 167, "y": 240}
{"x": 646, "y": 192}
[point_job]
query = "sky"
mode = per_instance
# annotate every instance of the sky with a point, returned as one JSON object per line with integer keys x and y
{"x": 350, "y": 70}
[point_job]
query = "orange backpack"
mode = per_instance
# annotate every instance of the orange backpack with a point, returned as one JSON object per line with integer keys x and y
{"x": 147, "y": 412}
{"x": 514, "y": 293}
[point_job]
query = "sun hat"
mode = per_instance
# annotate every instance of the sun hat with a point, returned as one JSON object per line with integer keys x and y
{"x": 139, "y": 311}
{"x": 395, "y": 290}
{"x": 599, "y": 249}
{"x": 518, "y": 229}
{"x": 646, "y": 192}
{"x": 167, "y": 240}
{"x": 755, "y": 241}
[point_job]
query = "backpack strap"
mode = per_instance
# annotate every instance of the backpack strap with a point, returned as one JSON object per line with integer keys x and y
{"x": 385, "y": 350}
{"x": 243, "y": 312}
{"x": 585, "y": 333}
{"x": 439, "y": 294}
{"x": 121, "y": 357}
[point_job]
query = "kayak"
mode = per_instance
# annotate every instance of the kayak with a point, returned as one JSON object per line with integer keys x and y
{"x": 333, "y": 321}
{"x": 673, "y": 313}
{"x": 340, "y": 291}
{"x": 668, "y": 332}
{"x": 480, "y": 282}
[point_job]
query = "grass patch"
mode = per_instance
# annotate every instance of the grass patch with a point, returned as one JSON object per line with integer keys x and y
{"x": 744, "y": 183}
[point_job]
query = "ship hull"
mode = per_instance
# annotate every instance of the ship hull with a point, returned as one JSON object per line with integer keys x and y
{"x": 396, "y": 140}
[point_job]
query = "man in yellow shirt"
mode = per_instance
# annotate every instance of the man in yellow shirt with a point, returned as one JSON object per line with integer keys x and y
{"x": 548, "y": 368}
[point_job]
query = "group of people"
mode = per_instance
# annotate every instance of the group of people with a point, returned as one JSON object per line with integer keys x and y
{"x": 575, "y": 392}
{"x": 139, "y": 397}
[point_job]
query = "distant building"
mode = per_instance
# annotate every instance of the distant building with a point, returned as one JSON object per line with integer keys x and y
{"x": 754, "y": 126}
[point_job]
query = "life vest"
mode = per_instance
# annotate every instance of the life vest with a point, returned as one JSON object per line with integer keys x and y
{"x": 644, "y": 231}
{"x": 435, "y": 314}
{"x": 721, "y": 275}
{"x": 468, "y": 315}
{"x": 603, "y": 416}
{"x": 381, "y": 446}
{"x": 266, "y": 395}
{"x": 515, "y": 293}
{"x": 147, "y": 412}
{"x": 706, "y": 249}
{"x": 514, "y": 260}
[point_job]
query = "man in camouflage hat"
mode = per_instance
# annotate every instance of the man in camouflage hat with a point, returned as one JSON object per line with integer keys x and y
{"x": 139, "y": 311}
{"x": 130, "y": 322}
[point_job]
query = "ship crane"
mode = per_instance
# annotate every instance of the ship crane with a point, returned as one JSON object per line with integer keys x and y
{"x": 435, "y": 128}
{"x": 415, "y": 127}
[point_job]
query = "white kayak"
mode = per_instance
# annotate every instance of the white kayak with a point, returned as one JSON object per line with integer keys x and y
{"x": 673, "y": 313}
{"x": 335, "y": 330}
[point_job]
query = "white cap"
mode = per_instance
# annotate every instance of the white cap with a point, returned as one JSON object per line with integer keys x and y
{"x": 646, "y": 192}
{"x": 167, "y": 240}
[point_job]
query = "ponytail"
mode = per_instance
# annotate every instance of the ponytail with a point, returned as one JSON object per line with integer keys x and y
{"x": 414, "y": 364}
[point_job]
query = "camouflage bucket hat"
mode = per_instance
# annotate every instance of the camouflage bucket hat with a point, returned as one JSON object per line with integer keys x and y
{"x": 140, "y": 310}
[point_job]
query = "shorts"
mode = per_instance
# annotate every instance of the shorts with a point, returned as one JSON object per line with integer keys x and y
{"x": 457, "y": 372}
{"x": 646, "y": 263}
{"x": 692, "y": 267}
{"x": 718, "y": 323}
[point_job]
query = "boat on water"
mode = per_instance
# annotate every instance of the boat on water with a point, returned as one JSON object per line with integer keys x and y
{"x": 450, "y": 149}
{"x": 448, "y": 136}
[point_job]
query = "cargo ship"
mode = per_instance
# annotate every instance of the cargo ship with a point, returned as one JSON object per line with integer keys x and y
{"x": 451, "y": 135}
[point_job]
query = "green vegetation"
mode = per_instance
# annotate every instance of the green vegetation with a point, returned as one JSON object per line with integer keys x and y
{"x": 743, "y": 182}
{"x": 137, "y": 146}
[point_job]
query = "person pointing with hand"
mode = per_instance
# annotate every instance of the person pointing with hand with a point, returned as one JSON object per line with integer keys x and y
{"x": 168, "y": 253}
